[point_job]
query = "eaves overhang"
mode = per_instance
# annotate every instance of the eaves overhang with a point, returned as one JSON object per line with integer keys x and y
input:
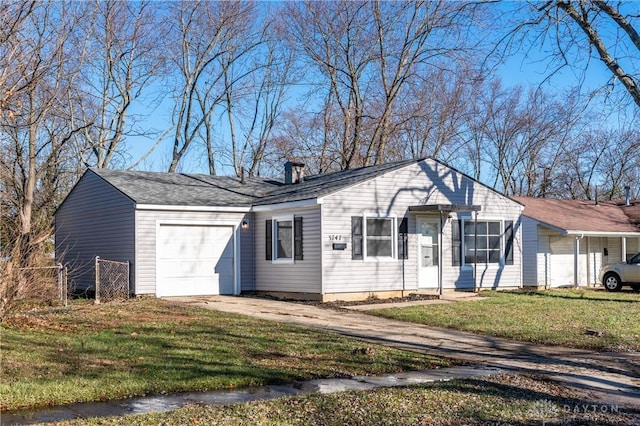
{"x": 287, "y": 205}
{"x": 168, "y": 207}
{"x": 448, "y": 208}
{"x": 602, "y": 233}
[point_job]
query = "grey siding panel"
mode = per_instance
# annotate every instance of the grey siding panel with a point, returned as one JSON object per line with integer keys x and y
{"x": 530, "y": 252}
{"x": 302, "y": 276}
{"x": 146, "y": 228}
{"x": 426, "y": 182}
{"x": 95, "y": 220}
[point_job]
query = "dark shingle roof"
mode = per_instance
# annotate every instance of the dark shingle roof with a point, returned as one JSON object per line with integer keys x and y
{"x": 221, "y": 191}
{"x": 328, "y": 183}
{"x": 579, "y": 215}
{"x": 187, "y": 189}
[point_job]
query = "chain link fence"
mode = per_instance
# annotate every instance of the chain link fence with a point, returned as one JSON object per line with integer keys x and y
{"x": 112, "y": 280}
{"x": 49, "y": 283}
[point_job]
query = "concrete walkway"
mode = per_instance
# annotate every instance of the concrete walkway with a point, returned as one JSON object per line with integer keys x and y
{"x": 603, "y": 378}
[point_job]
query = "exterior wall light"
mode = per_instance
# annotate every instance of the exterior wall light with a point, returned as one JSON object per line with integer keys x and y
{"x": 245, "y": 224}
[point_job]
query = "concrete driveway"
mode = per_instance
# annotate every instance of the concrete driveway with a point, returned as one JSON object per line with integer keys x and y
{"x": 604, "y": 378}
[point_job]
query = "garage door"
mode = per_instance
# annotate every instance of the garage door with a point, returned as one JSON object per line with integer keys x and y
{"x": 194, "y": 260}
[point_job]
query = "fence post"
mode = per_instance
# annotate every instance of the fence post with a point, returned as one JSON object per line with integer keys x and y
{"x": 65, "y": 282}
{"x": 59, "y": 276}
{"x": 128, "y": 280}
{"x": 97, "y": 280}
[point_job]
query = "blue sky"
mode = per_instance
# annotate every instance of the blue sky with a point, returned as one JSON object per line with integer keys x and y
{"x": 529, "y": 70}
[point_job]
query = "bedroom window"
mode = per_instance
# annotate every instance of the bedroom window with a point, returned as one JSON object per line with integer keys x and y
{"x": 379, "y": 237}
{"x": 482, "y": 242}
{"x": 283, "y": 239}
{"x": 373, "y": 237}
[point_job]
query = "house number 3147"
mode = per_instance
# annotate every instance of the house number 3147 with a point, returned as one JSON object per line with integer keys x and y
{"x": 335, "y": 237}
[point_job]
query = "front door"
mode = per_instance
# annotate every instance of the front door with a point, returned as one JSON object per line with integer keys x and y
{"x": 428, "y": 251}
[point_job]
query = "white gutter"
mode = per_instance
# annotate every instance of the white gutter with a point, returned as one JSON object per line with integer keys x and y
{"x": 165, "y": 207}
{"x": 601, "y": 233}
{"x": 289, "y": 205}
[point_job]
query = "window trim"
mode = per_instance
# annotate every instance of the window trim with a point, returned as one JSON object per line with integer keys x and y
{"x": 502, "y": 221}
{"x": 274, "y": 238}
{"x": 394, "y": 239}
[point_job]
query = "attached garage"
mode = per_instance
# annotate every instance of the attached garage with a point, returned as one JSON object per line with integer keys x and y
{"x": 194, "y": 260}
{"x": 568, "y": 240}
{"x": 183, "y": 235}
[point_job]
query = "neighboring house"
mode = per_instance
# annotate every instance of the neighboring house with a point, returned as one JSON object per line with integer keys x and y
{"x": 567, "y": 241}
{"x": 382, "y": 231}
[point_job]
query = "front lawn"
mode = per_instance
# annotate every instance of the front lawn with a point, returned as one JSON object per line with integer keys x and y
{"x": 498, "y": 400}
{"x": 575, "y": 318}
{"x": 147, "y": 346}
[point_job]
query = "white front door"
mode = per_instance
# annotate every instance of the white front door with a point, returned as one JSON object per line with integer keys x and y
{"x": 428, "y": 251}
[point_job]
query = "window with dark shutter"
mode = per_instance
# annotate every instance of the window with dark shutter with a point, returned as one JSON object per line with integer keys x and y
{"x": 403, "y": 239}
{"x": 268, "y": 247}
{"x": 456, "y": 242}
{"x": 508, "y": 242}
{"x": 356, "y": 237}
{"x": 297, "y": 238}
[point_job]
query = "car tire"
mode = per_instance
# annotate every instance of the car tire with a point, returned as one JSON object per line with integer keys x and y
{"x": 612, "y": 282}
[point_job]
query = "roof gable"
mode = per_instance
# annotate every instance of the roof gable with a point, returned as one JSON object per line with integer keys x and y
{"x": 321, "y": 185}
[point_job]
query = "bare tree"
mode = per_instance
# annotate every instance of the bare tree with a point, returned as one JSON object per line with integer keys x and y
{"x": 573, "y": 29}
{"x": 517, "y": 138}
{"x": 431, "y": 122}
{"x": 205, "y": 39}
{"x": 119, "y": 44}
{"x": 366, "y": 57}
{"x": 35, "y": 134}
{"x": 254, "y": 104}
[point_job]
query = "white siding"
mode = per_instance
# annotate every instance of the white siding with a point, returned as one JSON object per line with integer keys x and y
{"x": 147, "y": 222}
{"x": 426, "y": 182}
{"x": 556, "y": 260}
{"x": 614, "y": 245}
{"x": 94, "y": 220}
{"x": 594, "y": 250}
{"x": 302, "y": 276}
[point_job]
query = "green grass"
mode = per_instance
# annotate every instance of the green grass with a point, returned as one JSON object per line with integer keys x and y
{"x": 503, "y": 399}
{"x": 149, "y": 346}
{"x": 554, "y": 317}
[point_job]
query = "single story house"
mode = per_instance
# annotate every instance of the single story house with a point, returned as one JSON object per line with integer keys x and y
{"x": 384, "y": 230}
{"x": 567, "y": 241}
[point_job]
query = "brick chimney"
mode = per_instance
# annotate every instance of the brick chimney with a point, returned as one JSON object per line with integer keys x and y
{"x": 293, "y": 172}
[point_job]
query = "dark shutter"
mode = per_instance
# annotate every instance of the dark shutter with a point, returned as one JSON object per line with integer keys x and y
{"x": 356, "y": 237}
{"x": 268, "y": 247}
{"x": 508, "y": 246}
{"x": 456, "y": 242}
{"x": 403, "y": 239}
{"x": 297, "y": 238}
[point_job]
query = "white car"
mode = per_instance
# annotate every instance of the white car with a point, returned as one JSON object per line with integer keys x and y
{"x": 614, "y": 276}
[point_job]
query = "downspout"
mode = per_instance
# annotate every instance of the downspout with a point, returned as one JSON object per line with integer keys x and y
{"x": 576, "y": 260}
{"x": 440, "y": 258}
{"x": 475, "y": 251}
{"x": 405, "y": 247}
{"x": 588, "y": 262}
